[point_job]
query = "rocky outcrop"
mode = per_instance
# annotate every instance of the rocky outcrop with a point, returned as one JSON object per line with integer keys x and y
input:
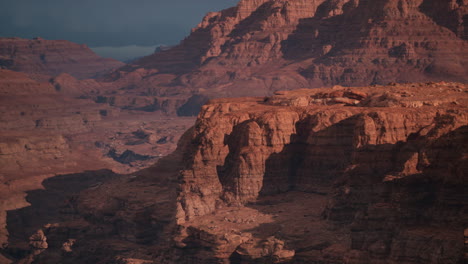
{"x": 391, "y": 164}
{"x": 225, "y": 28}
{"x": 321, "y": 139}
{"x": 341, "y": 175}
{"x": 450, "y": 14}
{"x": 52, "y": 57}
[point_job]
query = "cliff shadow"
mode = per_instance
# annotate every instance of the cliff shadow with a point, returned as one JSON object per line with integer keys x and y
{"x": 313, "y": 160}
{"x": 53, "y": 204}
{"x": 386, "y": 197}
{"x": 323, "y": 35}
{"x": 310, "y": 162}
{"x": 252, "y": 23}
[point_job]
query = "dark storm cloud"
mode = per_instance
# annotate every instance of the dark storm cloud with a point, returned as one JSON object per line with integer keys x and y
{"x": 105, "y": 22}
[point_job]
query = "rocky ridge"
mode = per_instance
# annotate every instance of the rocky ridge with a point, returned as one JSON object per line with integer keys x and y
{"x": 259, "y": 47}
{"x": 341, "y": 175}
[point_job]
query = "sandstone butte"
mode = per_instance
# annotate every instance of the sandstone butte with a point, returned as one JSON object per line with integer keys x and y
{"x": 40, "y": 57}
{"x": 375, "y": 174}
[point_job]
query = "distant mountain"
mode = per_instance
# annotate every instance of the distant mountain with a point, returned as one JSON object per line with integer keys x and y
{"x": 52, "y": 57}
{"x": 260, "y": 46}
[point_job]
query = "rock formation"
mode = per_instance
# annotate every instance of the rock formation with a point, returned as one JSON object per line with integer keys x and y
{"x": 259, "y": 47}
{"x": 341, "y": 175}
{"x": 332, "y": 175}
{"x": 52, "y": 57}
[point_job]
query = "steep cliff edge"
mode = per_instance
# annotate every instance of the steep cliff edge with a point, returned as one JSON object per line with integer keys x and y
{"x": 52, "y": 57}
{"x": 237, "y": 140}
{"x": 341, "y": 175}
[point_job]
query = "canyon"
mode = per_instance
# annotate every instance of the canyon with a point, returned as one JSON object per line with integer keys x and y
{"x": 48, "y": 129}
{"x": 332, "y": 175}
{"x": 103, "y": 162}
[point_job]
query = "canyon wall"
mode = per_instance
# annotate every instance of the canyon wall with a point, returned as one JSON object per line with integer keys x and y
{"x": 391, "y": 162}
{"x": 242, "y": 150}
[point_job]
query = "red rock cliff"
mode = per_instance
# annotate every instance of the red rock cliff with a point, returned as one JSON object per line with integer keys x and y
{"x": 390, "y": 160}
{"x": 244, "y": 147}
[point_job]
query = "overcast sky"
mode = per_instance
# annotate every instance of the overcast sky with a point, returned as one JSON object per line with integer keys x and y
{"x": 106, "y": 23}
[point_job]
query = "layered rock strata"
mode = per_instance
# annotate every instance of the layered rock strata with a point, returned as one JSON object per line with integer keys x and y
{"x": 251, "y": 143}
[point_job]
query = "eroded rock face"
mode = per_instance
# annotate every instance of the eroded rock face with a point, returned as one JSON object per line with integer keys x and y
{"x": 52, "y": 57}
{"x": 259, "y": 47}
{"x": 451, "y": 14}
{"x": 342, "y": 175}
{"x": 242, "y": 149}
{"x": 368, "y": 152}
{"x": 393, "y": 167}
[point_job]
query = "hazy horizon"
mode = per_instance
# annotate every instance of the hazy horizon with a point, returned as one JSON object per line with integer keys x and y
{"x": 124, "y": 53}
{"x": 107, "y": 24}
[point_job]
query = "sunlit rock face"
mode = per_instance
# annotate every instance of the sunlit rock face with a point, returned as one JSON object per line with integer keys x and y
{"x": 244, "y": 147}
